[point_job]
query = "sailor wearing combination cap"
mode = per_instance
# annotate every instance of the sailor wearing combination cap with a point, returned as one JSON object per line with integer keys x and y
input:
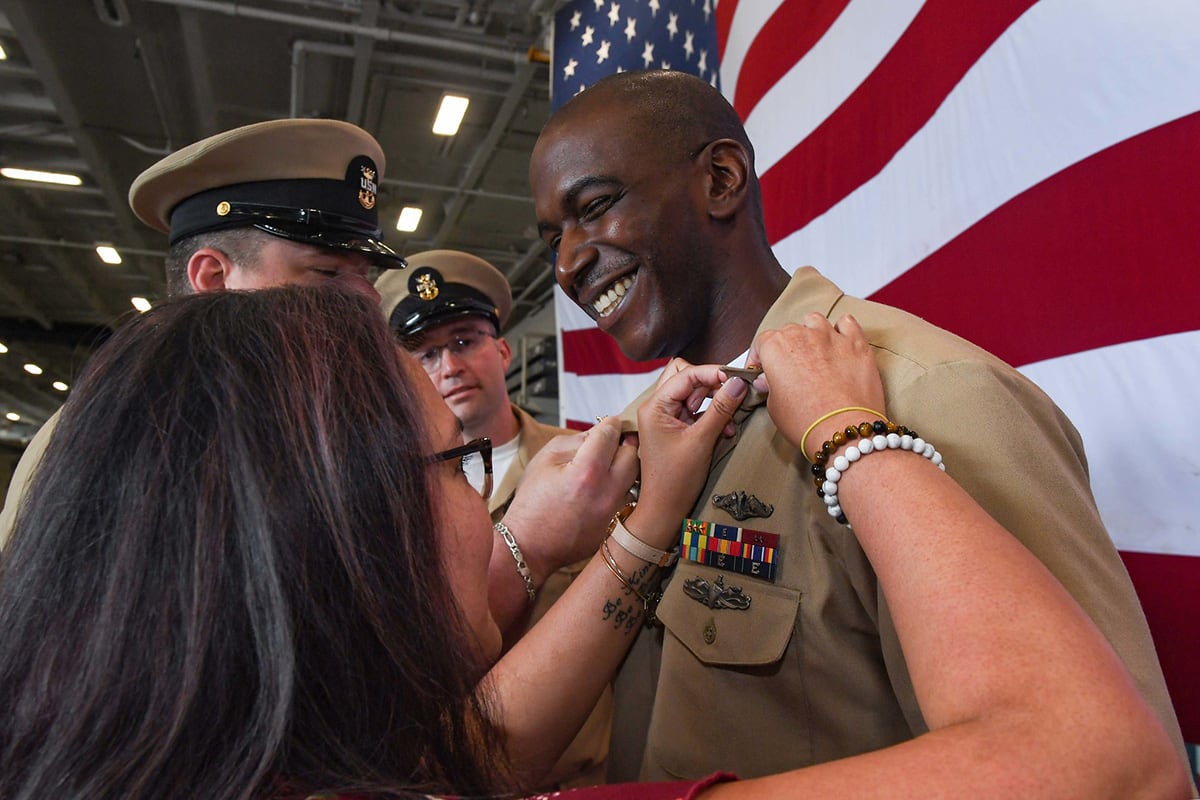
{"x": 447, "y": 310}
{"x": 280, "y": 202}
{"x": 285, "y": 201}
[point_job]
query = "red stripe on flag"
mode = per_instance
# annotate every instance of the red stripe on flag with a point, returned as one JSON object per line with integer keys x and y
{"x": 590, "y": 351}
{"x": 1095, "y": 255}
{"x": 724, "y": 21}
{"x": 1169, "y": 588}
{"x": 899, "y": 96}
{"x": 789, "y": 34}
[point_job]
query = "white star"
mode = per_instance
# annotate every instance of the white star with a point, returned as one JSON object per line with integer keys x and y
{"x": 580, "y": 89}
{"x": 703, "y": 61}
{"x": 630, "y": 29}
{"x": 665, "y": 65}
{"x": 654, "y": 6}
{"x": 673, "y": 26}
{"x": 687, "y": 44}
{"x": 599, "y": 4}
{"x": 576, "y": 18}
{"x": 614, "y": 14}
{"x": 713, "y": 80}
{"x": 648, "y": 54}
{"x": 587, "y": 35}
{"x": 569, "y": 69}
{"x": 707, "y": 10}
{"x": 602, "y": 52}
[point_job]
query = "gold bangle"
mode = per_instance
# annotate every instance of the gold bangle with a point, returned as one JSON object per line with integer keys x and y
{"x": 820, "y": 419}
{"x": 611, "y": 562}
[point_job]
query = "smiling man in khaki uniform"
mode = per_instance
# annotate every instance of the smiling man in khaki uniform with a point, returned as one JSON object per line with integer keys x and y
{"x": 447, "y": 310}
{"x": 785, "y": 656}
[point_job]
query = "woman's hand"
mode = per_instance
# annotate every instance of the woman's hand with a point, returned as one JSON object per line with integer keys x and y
{"x": 676, "y": 443}
{"x": 813, "y": 369}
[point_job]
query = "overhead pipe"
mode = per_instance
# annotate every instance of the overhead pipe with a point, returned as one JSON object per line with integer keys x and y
{"x": 352, "y": 29}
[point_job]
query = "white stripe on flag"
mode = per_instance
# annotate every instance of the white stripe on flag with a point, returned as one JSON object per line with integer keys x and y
{"x": 821, "y": 81}
{"x": 748, "y": 20}
{"x": 1134, "y": 404}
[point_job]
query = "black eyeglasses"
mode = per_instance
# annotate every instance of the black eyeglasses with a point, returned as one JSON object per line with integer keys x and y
{"x": 482, "y": 446}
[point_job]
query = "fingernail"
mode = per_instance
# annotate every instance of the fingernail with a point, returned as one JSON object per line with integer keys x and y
{"x": 737, "y": 387}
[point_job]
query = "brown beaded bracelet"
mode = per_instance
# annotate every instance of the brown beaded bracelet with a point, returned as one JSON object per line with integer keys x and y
{"x": 840, "y": 438}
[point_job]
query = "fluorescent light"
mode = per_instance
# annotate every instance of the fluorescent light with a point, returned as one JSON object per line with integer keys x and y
{"x": 3, "y": 55}
{"x": 60, "y": 386}
{"x": 140, "y": 303}
{"x": 12, "y": 416}
{"x": 108, "y": 254}
{"x": 3, "y": 348}
{"x": 410, "y": 218}
{"x": 62, "y": 178}
{"x": 450, "y": 115}
{"x": 33, "y": 369}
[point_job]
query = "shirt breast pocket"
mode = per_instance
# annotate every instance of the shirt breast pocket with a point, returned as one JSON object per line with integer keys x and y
{"x": 728, "y": 619}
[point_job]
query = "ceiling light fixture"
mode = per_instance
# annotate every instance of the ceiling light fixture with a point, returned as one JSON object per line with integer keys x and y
{"x": 12, "y": 416}
{"x": 3, "y": 55}
{"x": 410, "y": 218}
{"x": 450, "y": 114}
{"x": 140, "y": 303}
{"x": 3, "y": 348}
{"x": 60, "y": 386}
{"x": 39, "y": 176}
{"x": 33, "y": 369}
{"x": 108, "y": 254}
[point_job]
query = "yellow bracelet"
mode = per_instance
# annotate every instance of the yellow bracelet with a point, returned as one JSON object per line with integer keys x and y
{"x": 811, "y": 428}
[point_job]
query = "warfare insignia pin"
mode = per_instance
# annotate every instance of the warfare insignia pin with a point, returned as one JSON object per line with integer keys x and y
{"x": 715, "y": 595}
{"x": 741, "y": 505}
{"x": 367, "y": 187}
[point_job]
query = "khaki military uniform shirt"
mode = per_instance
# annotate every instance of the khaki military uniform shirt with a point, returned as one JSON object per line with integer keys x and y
{"x": 19, "y": 483}
{"x": 584, "y": 762}
{"x": 811, "y": 669}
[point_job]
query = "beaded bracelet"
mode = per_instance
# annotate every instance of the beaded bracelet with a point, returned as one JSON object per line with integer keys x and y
{"x": 879, "y": 435}
{"x": 519, "y": 557}
{"x": 822, "y": 418}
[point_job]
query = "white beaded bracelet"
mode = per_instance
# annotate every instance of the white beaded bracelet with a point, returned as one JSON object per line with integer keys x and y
{"x": 865, "y": 446}
{"x": 518, "y": 556}
{"x": 635, "y": 546}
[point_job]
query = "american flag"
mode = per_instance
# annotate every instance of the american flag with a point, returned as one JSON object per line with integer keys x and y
{"x": 1024, "y": 173}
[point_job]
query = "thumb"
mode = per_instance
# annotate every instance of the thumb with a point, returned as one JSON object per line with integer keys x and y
{"x": 726, "y": 401}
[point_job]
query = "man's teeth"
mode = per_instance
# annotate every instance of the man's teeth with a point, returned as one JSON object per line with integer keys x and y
{"x": 604, "y": 305}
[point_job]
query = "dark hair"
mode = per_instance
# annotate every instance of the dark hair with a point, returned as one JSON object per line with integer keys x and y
{"x": 243, "y": 245}
{"x": 224, "y": 583}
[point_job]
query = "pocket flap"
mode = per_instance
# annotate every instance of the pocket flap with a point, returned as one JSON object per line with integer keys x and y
{"x": 726, "y": 618}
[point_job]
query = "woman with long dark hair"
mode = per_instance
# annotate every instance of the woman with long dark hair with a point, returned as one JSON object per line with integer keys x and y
{"x": 250, "y": 566}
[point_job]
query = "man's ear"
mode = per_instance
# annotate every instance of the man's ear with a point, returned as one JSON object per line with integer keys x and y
{"x": 728, "y": 166}
{"x": 505, "y": 352}
{"x": 208, "y": 270}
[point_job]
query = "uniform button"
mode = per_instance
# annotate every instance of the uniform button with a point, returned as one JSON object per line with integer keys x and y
{"x": 710, "y": 633}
